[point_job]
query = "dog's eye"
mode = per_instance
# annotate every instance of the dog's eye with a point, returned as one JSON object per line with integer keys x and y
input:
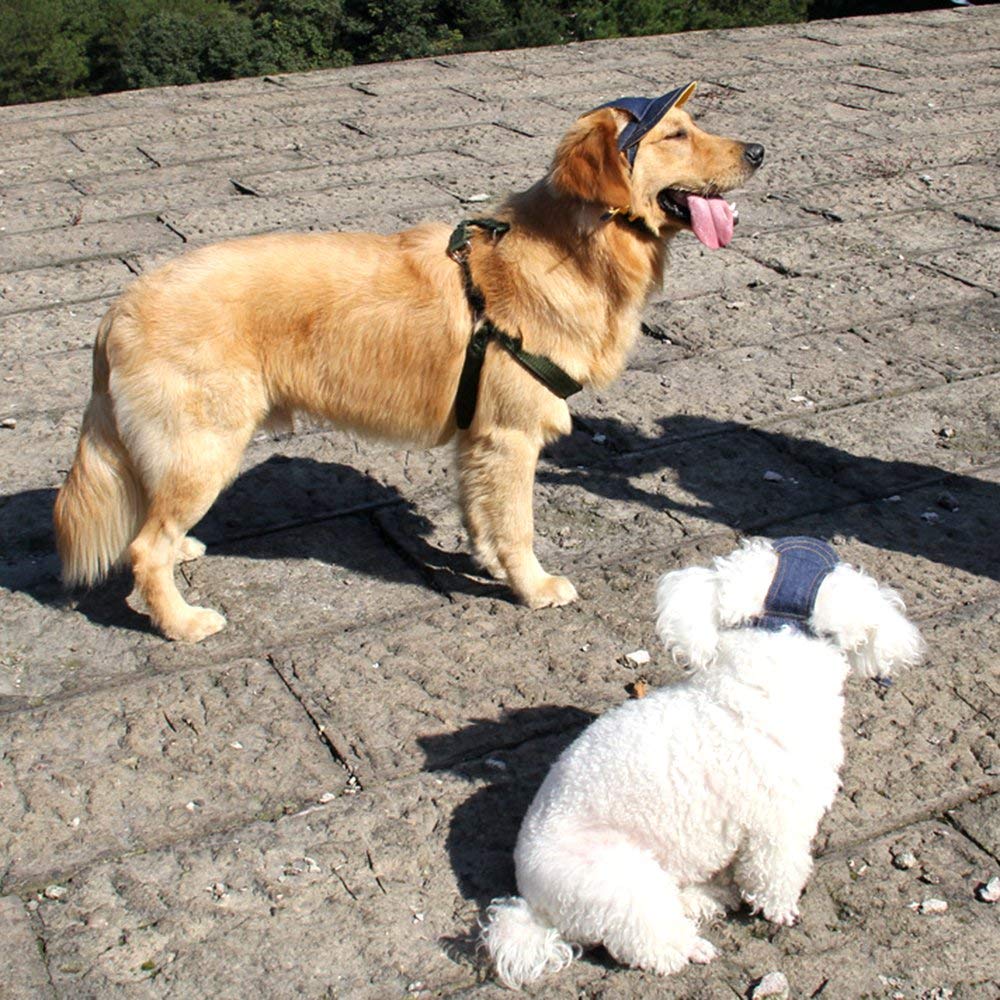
{"x": 680, "y": 134}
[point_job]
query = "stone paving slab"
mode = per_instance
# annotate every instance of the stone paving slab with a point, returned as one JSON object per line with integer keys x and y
{"x": 950, "y": 428}
{"x": 22, "y": 969}
{"x": 757, "y": 383}
{"x": 825, "y": 248}
{"x": 387, "y": 867}
{"x": 87, "y": 240}
{"x": 802, "y": 166}
{"x": 79, "y": 281}
{"x": 185, "y": 746}
{"x": 316, "y": 578}
{"x": 979, "y": 265}
{"x": 35, "y": 206}
{"x": 775, "y": 308}
{"x": 359, "y": 746}
{"x": 72, "y": 164}
{"x": 312, "y": 210}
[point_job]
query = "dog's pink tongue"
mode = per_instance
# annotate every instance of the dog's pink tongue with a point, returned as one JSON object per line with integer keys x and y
{"x": 711, "y": 220}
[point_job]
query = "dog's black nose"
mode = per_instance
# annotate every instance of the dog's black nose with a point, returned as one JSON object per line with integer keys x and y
{"x": 753, "y": 153}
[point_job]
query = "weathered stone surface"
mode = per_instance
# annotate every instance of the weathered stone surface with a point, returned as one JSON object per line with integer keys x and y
{"x": 834, "y": 372}
{"x": 949, "y": 428}
{"x": 25, "y": 207}
{"x": 55, "y": 328}
{"x": 776, "y": 308}
{"x": 958, "y": 342}
{"x": 910, "y": 191}
{"x": 753, "y": 384}
{"x": 151, "y": 763}
{"x": 37, "y": 380}
{"x": 84, "y": 241}
{"x": 22, "y": 971}
{"x": 832, "y": 245}
{"x": 318, "y": 579}
{"x": 977, "y": 265}
{"x": 696, "y": 475}
{"x": 70, "y": 163}
{"x": 398, "y": 882}
{"x": 980, "y": 820}
{"x": 312, "y": 210}
{"x": 79, "y": 281}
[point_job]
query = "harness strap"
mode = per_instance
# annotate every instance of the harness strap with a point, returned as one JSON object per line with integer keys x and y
{"x": 556, "y": 379}
{"x": 803, "y": 565}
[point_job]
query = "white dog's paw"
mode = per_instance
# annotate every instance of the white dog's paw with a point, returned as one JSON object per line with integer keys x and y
{"x": 704, "y": 902}
{"x": 783, "y": 914}
{"x": 702, "y": 952}
{"x": 786, "y": 916}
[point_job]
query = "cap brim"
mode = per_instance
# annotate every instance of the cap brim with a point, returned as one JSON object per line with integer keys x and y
{"x": 655, "y": 111}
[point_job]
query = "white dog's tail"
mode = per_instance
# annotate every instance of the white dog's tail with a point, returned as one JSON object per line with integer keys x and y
{"x": 521, "y": 947}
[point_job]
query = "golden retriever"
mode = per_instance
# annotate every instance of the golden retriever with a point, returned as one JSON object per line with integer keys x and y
{"x": 370, "y": 333}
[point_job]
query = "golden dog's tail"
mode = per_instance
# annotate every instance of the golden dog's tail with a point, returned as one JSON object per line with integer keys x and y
{"x": 101, "y": 506}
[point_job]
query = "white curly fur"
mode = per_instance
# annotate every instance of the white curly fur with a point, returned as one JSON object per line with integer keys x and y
{"x": 670, "y": 809}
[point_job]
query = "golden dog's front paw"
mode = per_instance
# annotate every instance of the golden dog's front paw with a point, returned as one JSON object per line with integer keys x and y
{"x": 551, "y": 592}
{"x": 198, "y": 625}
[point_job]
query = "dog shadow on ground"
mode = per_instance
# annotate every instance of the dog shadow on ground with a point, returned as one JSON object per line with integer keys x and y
{"x": 507, "y": 760}
{"x": 275, "y": 510}
{"x": 949, "y": 523}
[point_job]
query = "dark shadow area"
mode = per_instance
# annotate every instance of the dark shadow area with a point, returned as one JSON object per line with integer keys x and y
{"x": 282, "y": 508}
{"x": 515, "y": 755}
{"x": 300, "y": 508}
{"x": 722, "y": 464}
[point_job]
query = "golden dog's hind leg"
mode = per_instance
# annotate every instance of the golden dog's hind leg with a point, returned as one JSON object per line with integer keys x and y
{"x": 497, "y": 474}
{"x": 180, "y": 499}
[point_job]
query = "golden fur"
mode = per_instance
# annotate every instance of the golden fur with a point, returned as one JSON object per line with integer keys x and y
{"x": 369, "y": 332}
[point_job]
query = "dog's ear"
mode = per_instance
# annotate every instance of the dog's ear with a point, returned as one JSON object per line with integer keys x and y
{"x": 867, "y": 621}
{"x": 588, "y": 163}
{"x": 744, "y": 578}
{"x": 687, "y": 615}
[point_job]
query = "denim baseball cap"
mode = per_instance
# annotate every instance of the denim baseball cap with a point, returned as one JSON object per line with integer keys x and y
{"x": 645, "y": 113}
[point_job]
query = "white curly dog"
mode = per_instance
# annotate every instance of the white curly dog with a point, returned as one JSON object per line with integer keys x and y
{"x": 669, "y": 809}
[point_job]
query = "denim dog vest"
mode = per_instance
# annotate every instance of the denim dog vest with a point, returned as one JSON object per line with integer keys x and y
{"x": 803, "y": 565}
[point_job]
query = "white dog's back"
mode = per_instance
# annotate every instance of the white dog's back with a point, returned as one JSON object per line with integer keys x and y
{"x": 722, "y": 777}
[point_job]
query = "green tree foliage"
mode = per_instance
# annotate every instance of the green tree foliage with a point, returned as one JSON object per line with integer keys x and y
{"x": 44, "y": 50}
{"x": 57, "y": 48}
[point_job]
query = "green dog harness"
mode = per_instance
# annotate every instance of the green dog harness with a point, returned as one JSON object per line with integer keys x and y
{"x": 555, "y": 379}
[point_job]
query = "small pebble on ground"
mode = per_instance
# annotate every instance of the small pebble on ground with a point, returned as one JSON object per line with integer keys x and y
{"x": 774, "y": 984}
{"x": 990, "y": 891}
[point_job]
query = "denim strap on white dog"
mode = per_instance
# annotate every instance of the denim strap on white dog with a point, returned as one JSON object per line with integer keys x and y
{"x": 803, "y": 565}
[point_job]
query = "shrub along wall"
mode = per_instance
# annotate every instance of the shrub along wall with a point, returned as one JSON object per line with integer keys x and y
{"x": 61, "y": 48}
